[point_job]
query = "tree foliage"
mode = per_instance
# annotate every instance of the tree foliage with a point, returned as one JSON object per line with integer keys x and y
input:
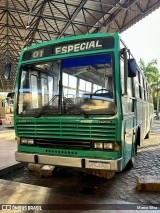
{"x": 152, "y": 73}
{"x": 150, "y": 70}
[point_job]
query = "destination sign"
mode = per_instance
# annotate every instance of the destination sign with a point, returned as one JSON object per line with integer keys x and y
{"x": 68, "y": 47}
{"x": 77, "y": 47}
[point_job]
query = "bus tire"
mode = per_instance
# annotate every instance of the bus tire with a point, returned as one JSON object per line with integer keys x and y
{"x": 148, "y": 135}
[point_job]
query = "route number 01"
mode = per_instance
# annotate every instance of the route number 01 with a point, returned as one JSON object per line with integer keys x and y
{"x": 38, "y": 53}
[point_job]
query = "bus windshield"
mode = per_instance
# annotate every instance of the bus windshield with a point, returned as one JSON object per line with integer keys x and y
{"x": 72, "y": 86}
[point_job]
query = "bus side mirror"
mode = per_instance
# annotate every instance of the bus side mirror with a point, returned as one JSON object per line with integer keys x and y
{"x": 132, "y": 68}
{"x": 7, "y": 71}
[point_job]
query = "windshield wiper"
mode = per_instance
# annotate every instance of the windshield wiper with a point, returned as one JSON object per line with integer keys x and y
{"x": 45, "y": 106}
{"x": 82, "y": 113}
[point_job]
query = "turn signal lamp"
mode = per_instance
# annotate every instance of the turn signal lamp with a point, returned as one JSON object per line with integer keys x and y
{"x": 18, "y": 140}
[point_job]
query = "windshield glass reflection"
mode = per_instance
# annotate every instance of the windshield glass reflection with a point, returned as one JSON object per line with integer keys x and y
{"x": 86, "y": 87}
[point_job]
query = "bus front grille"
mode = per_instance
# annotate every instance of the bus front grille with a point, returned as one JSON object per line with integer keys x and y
{"x": 62, "y": 143}
{"x": 67, "y": 134}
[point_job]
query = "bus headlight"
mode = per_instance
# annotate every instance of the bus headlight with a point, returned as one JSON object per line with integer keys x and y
{"x": 27, "y": 141}
{"x": 108, "y": 145}
{"x": 30, "y": 142}
{"x": 23, "y": 140}
{"x": 114, "y": 146}
{"x": 98, "y": 145}
{"x": 103, "y": 145}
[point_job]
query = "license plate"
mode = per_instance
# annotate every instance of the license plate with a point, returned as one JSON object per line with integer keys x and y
{"x": 99, "y": 165}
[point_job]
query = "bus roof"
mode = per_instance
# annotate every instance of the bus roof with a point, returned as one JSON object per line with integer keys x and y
{"x": 71, "y": 38}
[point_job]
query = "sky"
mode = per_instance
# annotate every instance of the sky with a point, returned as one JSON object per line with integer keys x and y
{"x": 143, "y": 38}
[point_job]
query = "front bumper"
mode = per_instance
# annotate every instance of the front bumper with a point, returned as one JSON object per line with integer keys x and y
{"x": 87, "y": 163}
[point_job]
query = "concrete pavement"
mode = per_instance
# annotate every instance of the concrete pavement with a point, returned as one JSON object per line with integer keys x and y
{"x": 22, "y": 196}
{"x": 8, "y": 147}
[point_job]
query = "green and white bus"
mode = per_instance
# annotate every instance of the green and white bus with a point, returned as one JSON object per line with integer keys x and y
{"x": 81, "y": 102}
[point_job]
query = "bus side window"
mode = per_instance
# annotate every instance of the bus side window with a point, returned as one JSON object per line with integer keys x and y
{"x": 141, "y": 86}
{"x": 127, "y": 100}
{"x": 146, "y": 92}
{"x": 137, "y": 90}
{"x": 129, "y": 84}
{"x": 144, "y": 87}
{"x": 130, "y": 87}
{"x": 139, "y": 82}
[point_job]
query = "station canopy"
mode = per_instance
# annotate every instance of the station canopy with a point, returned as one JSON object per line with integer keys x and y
{"x": 27, "y": 22}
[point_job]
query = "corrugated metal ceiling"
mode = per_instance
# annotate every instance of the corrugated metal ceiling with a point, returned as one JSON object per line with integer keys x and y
{"x": 27, "y": 22}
